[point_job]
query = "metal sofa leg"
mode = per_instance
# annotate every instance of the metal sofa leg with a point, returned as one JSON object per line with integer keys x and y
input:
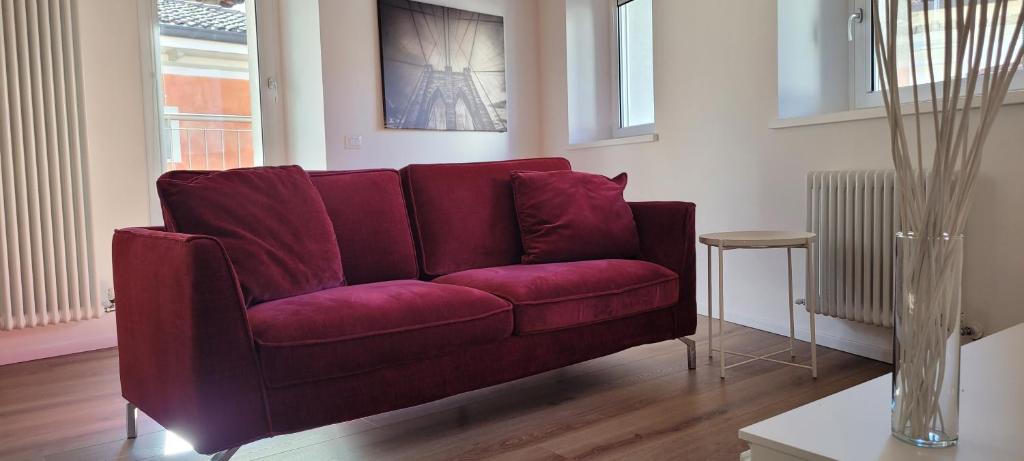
{"x": 131, "y": 413}
{"x": 224, "y": 455}
{"x": 691, "y": 353}
{"x": 130, "y": 419}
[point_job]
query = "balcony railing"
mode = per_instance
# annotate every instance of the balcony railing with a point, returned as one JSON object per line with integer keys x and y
{"x": 207, "y": 141}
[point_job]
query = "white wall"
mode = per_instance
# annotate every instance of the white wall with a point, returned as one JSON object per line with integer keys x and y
{"x": 346, "y": 82}
{"x": 112, "y": 76}
{"x": 115, "y": 131}
{"x": 588, "y": 42}
{"x": 302, "y": 84}
{"x": 354, "y": 101}
{"x": 814, "y": 64}
{"x": 116, "y": 166}
{"x": 716, "y": 92}
{"x": 716, "y": 86}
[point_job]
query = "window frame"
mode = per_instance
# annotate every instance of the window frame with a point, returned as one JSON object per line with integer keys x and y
{"x": 618, "y": 129}
{"x": 862, "y": 59}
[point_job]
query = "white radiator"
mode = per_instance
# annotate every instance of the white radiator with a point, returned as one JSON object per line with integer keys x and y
{"x": 855, "y": 215}
{"x": 46, "y": 264}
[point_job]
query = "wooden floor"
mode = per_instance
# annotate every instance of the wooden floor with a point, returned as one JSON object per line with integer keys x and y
{"x": 638, "y": 404}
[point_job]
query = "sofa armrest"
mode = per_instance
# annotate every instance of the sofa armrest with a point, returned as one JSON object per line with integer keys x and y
{"x": 668, "y": 238}
{"x": 187, "y": 357}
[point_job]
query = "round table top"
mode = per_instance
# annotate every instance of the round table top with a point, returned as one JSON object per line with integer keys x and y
{"x": 758, "y": 239}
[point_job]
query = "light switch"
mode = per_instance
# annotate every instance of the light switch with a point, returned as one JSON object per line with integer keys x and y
{"x": 353, "y": 142}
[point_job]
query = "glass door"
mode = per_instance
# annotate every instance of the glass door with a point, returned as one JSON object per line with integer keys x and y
{"x": 207, "y": 84}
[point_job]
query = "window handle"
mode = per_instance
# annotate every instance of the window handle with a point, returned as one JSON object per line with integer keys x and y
{"x": 856, "y": 17}
{"x": 272, "y": 87}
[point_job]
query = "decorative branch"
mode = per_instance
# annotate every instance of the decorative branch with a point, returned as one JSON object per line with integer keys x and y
{"x": 937, "y": 192}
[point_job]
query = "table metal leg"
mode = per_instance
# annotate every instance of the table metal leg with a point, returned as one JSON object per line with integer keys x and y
{"x": 792, "y": 327}
{"x": 812, "y": 305}
{"x": 711, "y": 345}
{"x": 721, "y": 308}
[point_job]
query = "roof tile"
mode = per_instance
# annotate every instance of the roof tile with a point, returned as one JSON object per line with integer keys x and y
{"x": 202, "y": 16}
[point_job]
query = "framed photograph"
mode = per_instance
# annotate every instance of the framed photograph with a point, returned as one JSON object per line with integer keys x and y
{"x": 442, "y": 68}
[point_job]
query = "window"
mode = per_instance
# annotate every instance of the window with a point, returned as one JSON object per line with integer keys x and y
{"x": 866, "y": 78}
{"x": 826, "y": 59}
{"x": 207, "y": 104}
{"x": 634, "y": 22}
{"x": 609, "y": 62}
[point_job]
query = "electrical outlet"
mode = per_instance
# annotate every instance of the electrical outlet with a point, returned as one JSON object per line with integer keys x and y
{"x": 969, "y": 328}
{"x": 109, "y": 304}
{"x": 353, "y": 142}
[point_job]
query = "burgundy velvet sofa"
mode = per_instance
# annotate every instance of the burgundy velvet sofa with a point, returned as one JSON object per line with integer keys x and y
{"x": 436, "y": 303}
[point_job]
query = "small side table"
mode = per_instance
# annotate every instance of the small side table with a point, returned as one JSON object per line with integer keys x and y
{"x": 760, "y": 240}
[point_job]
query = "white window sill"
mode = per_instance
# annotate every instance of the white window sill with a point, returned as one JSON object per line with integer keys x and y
{"x": 653, "y": 137}
{"x": 1012, "y": 97}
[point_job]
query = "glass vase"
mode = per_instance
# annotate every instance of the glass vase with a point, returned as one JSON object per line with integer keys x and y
{"x": 926, "y": 346}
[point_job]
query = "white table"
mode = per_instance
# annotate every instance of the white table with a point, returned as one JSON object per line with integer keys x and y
{"x": 854, "y": 424}
{"x": 757, "y": 240}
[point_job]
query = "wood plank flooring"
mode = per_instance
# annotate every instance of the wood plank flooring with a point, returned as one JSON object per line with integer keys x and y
{"x": 638, "y": 404}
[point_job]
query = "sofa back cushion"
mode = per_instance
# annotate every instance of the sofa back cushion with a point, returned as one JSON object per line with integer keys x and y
{"x": 463, "y": 215}
{"x": 369, "y": 216}
{"x": 270, "y": 220}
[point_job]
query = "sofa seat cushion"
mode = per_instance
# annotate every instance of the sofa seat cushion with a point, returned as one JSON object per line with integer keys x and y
{"x": 353, "y": 329}
{"x": 554, "y": 296}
